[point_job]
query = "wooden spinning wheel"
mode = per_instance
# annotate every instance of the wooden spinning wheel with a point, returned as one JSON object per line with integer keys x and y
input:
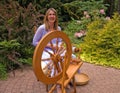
{"x": 58, "y": 59}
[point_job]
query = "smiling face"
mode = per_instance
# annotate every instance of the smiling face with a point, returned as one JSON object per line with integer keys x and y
{"x": 51, "y": 19}
{"x": 51, "y": 16}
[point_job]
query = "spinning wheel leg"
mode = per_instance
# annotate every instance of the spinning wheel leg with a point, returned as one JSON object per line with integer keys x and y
{"x": 53, "y": 88}
{"x": 47, "y": 88}
{"x": 74, "y": 84}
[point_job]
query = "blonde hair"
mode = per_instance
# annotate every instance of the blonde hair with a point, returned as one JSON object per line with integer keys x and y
{"x": 46, "y": 19}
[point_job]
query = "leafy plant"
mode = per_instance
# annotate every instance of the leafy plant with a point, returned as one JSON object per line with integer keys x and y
{"x": 8, "y": 49}
{"x": 86, "y": 12}
{"x": 101, "y": 44}
{"x": 72, "y": 27}
{"x": 92, "y": 6}
{"x": 3, "y": 73}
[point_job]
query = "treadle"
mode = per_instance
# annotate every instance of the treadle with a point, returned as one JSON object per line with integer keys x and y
{"x": 72, "y": 69}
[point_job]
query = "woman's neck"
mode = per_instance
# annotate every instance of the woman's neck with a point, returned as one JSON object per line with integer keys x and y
{"x": 51, "y": 25}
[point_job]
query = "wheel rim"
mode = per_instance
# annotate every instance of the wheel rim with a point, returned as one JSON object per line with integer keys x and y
{"x": 37, "y": 57}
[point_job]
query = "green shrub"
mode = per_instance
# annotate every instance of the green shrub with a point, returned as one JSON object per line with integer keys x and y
{"x": 102, "y": 42}
{"x": 17, "y": 25}
{"x": 72, "y": 27}
{"x": 14, "y": 55}
{"x": 3, "y": 73}
{"x": 86, "y": 12}
{"x": 76, "y": 8}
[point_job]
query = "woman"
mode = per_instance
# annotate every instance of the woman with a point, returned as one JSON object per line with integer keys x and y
{"x": 50, "y": 24}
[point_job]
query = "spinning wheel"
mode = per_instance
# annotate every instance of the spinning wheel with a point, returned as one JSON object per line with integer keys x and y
{"x": 55, "y": 56}
{"x": 57, "y": 60}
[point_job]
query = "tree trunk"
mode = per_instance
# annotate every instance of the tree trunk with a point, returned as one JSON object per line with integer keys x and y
{"x": 119, "y": 6}
{"x": 111, "y": 7}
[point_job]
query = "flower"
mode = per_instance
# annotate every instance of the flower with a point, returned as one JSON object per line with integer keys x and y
{"x": 80, "y": 34}
{"x": 107, "y": 18}
{"x": 85, "y": 13}
{"x": 87, "y": 16}
{"x": 102, "y": 11}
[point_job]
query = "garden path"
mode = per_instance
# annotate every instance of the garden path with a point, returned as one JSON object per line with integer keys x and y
{"x": 102, "y": 80}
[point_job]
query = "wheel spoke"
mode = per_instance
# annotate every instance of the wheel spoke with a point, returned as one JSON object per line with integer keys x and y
{"x": 48, "y": 52}
{"x": 61, "y": 48}
{"x": 61, "y": 64}
{"x": 61, "y": 51}
{"x": 52, "y": 46}
{"x": 48, "y": 65}
{"x": 57, "y": 67}
{"x": 57, "y": 45}
{"x": 45, "y": 59}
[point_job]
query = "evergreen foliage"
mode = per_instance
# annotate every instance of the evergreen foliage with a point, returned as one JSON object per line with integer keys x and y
{"x": 3, "y": 73}
{"x": 76, "y": 8}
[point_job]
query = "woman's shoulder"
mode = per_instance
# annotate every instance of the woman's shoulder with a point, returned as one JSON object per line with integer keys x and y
{"x": 41, "y": 26}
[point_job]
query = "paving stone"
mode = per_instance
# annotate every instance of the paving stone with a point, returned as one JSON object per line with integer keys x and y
{"x": 102, "y": 80}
